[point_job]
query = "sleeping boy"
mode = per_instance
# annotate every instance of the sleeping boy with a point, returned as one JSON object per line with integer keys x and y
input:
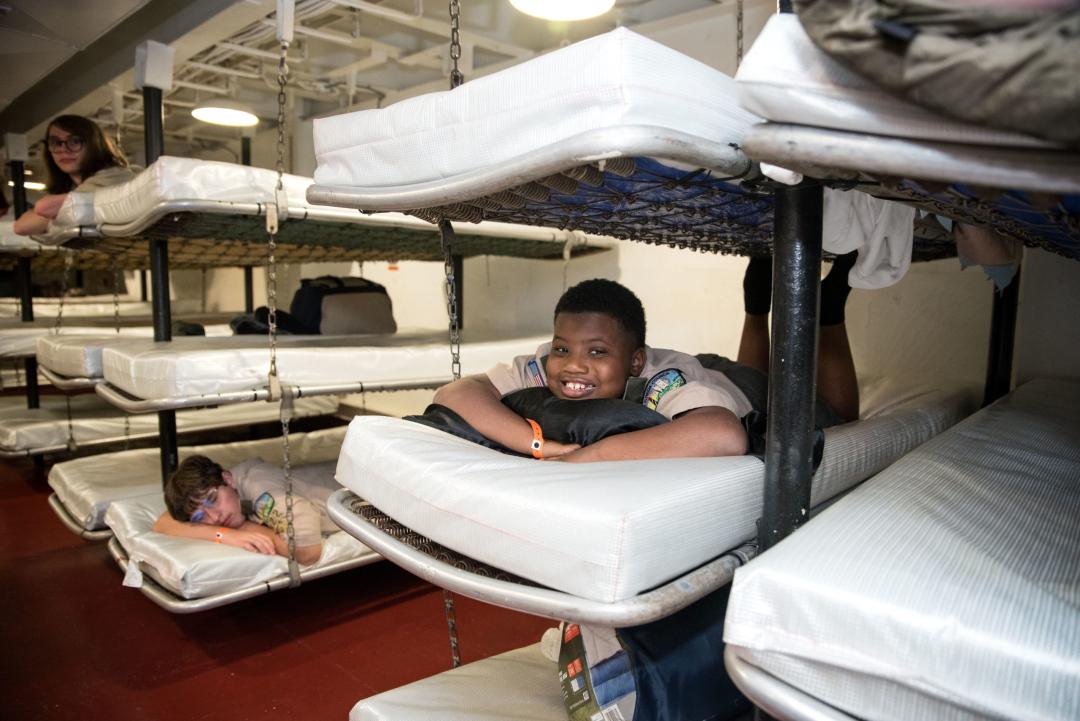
{"x": 245, "y": 506}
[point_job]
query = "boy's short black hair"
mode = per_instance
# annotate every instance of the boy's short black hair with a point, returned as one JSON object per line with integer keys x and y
{"x": 600, "y": 295}
{"x": 189, "y": 483}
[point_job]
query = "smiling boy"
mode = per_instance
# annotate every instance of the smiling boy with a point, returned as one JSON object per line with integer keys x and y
{"x": 598, "y": 343}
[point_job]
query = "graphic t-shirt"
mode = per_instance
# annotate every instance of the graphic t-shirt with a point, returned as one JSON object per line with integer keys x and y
{"x": 675, "y": 382}
{"x": 261, "y": 487}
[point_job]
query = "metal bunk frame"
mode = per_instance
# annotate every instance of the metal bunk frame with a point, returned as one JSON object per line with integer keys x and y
{"x": 168, "y": 600}
{"x": 797, "y": 264}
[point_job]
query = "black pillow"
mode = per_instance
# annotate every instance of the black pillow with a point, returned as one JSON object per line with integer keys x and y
{"x": 582, "y": 422}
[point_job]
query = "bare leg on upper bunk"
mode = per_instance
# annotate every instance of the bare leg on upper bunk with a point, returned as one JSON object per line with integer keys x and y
{"x": 757, "y": 297}
{"x": 836, "y": 381}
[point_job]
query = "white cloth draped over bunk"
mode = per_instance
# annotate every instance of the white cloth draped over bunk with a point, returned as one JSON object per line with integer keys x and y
{"x": 946, "y": 587}
{"x": 601, "y": 531}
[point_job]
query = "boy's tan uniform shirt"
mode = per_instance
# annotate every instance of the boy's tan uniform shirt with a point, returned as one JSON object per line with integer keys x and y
{"x": 675, "y": 382}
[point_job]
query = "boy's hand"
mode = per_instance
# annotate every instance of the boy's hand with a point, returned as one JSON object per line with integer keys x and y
{"x": 553, "y": 450}
{"x": 249, "y": 539}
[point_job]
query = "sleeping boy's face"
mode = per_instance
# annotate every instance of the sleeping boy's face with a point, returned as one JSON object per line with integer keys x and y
{"x": 591, "y": 356}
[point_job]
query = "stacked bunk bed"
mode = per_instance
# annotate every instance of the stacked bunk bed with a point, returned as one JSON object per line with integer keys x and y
{"x": 186, "y": 576}
{"x": 849, "y": 619}
{"x": 215, "y": 214}
{"x": 662, "y": 164}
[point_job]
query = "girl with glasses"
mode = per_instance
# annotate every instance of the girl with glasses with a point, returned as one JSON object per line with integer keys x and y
{"x": 78, "y": 156}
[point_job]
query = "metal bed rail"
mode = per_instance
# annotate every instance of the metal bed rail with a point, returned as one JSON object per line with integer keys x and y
{"x": 159, "y": 594}
{"x": 69, "y": 383}
{"x": 73, "y": 525}
{"x": 454, "y": 575}
{"x": 131, "y": 404}
{"x": 777, "y": 698}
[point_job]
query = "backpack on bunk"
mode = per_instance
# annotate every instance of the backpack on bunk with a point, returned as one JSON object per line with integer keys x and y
{"x": 1012, "y": 65}
{"x": 329, "y": 305}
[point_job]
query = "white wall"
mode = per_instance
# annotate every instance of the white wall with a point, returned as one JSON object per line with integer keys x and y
{"x": 1047, "y": 333}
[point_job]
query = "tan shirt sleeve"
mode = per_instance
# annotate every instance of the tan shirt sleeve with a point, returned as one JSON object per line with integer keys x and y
{"x": 525, "y": 371}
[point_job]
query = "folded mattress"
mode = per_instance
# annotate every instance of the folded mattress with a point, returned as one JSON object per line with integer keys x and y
{"x": 946, "y": 587}
{"x": 519, "y": 684}
{"x": 94, "y": 422}
{"x": 188, "y": 367}
{"x": 198, "y": 569}
{"x": 602, "y": 531}
{"x": 786, "y": 78}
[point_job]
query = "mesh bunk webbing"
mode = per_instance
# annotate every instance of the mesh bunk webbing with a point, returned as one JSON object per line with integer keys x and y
{"x": 644, "y": 200}
{"x": 1048, "y": 222}
{"x": 425, "y": 545}
{"x": 212, "y": 240}
{"x": 51, "y": 260}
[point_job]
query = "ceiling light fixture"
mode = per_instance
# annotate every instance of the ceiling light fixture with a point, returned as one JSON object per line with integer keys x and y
{"x": 563, "y": 9}
{"x": 29, "y": 185}
{"x": 225, "y": 112}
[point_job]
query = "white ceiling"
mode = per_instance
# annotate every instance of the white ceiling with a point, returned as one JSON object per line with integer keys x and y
{"x": 77, "y": 55}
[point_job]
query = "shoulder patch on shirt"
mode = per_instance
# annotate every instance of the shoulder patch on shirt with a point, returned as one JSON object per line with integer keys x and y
{"x": 664, "y": 381}
{"x": 534, "y": 373}
{"x": 263, "y": 506}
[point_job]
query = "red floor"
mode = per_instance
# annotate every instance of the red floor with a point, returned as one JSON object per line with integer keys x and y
{"x": 78, "y": 645}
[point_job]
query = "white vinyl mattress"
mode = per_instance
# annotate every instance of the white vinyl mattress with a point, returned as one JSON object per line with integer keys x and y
{"x": 18, "y": 339}
{"x": 786, "y": 78}
{"x": 948, "y": 587}
{"x": 614, "y": 80}
{"x": 521, "y": 685}
{"x": 196, "y": 366}
{"x": 604, "y": 531}
{"x": 93, "y": 420}
{"x": 198, "y": 569}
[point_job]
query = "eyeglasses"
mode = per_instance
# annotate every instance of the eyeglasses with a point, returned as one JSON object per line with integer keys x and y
{"x": 199, "y": 515}
{"x": 73, "y": 143}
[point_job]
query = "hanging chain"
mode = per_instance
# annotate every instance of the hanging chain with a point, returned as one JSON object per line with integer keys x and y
{"x": 69, "y": 260}
{"x": 738, "y": 33}
{"x": 71, "y": 445}
{"x": 116, "y": 293}
{"x": 446, "y": 232}
{"x": 447, "y": 238}
{"x": 456, "y": 78}
{"x": 273, "y": 214}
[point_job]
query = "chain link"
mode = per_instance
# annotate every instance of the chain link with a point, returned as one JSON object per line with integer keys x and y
{"x": 69, "y": 260}
{"x": 116, "y": 293}
{"x": 272, "y": 304}
{"x": 738, "y": 33}
{"x": 456, "y": 78}
{"x": 71, "y": 445}
{"x": 447, "y": 239}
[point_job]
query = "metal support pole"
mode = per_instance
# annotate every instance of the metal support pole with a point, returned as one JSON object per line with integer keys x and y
{"x": 1002, "y": 336}
{"x": 793, "y": 361}
{"x": 459, "y": 276}
{"x": 249, "y": 289}
{"x": 245, "y": 150}
{"x": 26, "y": 289}
{"x": 143, "y": 288}
{"x": 159, "y": 275}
